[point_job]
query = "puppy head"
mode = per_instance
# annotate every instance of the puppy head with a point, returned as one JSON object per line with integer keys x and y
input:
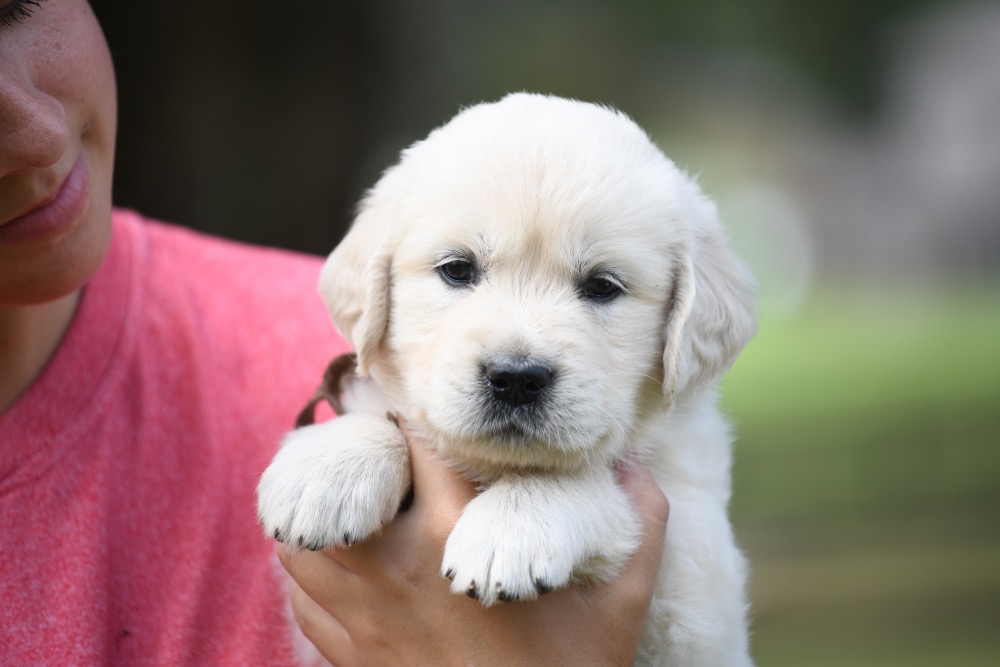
{"x": 527, "y": 276}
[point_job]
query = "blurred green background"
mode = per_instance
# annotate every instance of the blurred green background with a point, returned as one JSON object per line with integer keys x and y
{"x": 866, "y": 482}
{"x": 854, "y": 151}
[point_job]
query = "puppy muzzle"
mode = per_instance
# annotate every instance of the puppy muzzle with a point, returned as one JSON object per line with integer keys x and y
{"x": 516, "y": 399}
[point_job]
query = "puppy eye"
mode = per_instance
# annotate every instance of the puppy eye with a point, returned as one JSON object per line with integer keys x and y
{"x": 601, "y": 289}
{"x": 458, "y": 273}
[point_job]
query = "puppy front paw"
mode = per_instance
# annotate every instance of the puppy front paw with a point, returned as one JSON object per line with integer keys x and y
{"x": 493, "y": 556}
{"x": 334, "y": 484}
{"x": 527, "y": 535}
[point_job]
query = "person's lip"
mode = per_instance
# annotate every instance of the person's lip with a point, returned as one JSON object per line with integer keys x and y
{"x": 54, "y": 215}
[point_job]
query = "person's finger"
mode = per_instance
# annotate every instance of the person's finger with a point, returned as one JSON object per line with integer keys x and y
{"x": 439, "y": 491}
{"x": 652, "y": 506}
{"x": 650, "y": 503}
{"x": 646, "y": 495}
{"x": 321, "y": 628}
{"x": 323, "y": 573}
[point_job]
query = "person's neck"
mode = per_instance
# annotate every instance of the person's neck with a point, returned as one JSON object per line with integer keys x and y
{"x": 29, "y": 336}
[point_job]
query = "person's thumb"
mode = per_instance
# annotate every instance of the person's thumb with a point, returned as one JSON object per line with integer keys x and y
{"x": 649, "y": 502}
{"x": 438, "y": 490}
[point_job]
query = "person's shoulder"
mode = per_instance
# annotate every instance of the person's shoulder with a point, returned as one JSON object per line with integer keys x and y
{"x": 229, "y": 285}
{"x": 209, "y": 252}
{"x": 215, "y": 265}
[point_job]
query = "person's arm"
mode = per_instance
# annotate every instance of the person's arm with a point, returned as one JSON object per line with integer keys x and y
{"x": 384, "y": 601}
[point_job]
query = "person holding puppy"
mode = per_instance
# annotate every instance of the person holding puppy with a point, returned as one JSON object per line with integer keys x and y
{"x": 146, "y": 376}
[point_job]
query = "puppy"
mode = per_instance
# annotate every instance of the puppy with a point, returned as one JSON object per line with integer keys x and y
{"x": 541, "y": 292}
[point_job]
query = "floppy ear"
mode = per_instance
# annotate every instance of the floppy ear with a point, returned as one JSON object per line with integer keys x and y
{"x": 711, "y": 316}
{"x": 356, "y": 280}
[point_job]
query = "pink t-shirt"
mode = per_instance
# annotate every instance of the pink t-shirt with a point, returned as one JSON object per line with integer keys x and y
{"x": 127, "y": 471}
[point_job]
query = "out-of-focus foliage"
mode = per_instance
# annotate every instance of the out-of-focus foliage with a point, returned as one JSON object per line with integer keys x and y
{"x": 868, "y": 479}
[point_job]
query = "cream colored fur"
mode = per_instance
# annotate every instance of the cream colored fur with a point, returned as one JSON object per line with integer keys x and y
{"x": 539, "y": 195}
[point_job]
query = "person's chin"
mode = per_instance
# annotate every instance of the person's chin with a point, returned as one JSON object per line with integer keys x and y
{"x": 45, "y": 270}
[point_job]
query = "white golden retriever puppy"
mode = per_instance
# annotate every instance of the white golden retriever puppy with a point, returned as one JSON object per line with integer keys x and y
{"x": 540, "y": 291}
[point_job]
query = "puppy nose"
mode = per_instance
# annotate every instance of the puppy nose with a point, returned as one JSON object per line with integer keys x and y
{"x": 517, "y": 381}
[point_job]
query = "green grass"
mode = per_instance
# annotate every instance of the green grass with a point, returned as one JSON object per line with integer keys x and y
{"x": 867, "y": 480}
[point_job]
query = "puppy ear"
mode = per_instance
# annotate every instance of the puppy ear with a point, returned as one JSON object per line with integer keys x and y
{"x": 356, "y": 281}
{"x": 711, "y": 316}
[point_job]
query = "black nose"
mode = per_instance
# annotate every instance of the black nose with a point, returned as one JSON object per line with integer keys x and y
{"x": 517, "y": 381}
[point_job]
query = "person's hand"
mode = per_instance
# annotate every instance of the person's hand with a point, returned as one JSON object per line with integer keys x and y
{"x": 384, "y": 601}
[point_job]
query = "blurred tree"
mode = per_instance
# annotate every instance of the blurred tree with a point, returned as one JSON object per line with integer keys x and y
{"x": 837, "y": 45}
